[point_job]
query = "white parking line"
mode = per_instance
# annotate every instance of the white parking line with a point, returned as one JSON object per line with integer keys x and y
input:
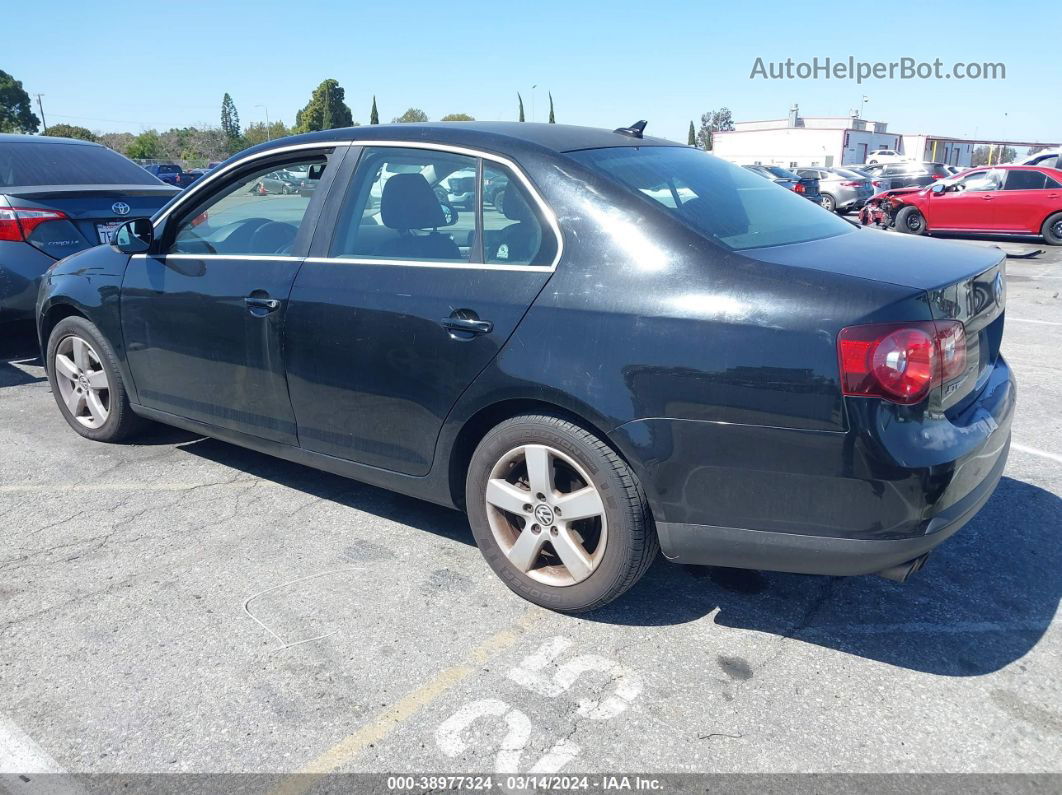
{"x": 1034, "y": 451}
{"x": 19, "y": 754}
{"x": 1030, "y": 320}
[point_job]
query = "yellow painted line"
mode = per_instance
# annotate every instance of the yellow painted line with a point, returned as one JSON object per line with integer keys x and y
{"x": 409, "y": 705}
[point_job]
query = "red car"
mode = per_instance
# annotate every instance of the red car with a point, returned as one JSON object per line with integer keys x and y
{"x": 998, "y": 200}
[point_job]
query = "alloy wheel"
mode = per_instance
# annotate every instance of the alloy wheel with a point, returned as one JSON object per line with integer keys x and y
{"x": 546, "y": 515}
{"x": 82, "y": 381}
{"x": 1058, "y": 230}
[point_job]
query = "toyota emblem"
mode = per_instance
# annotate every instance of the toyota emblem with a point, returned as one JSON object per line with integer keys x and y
{"x": 120, "y": 208}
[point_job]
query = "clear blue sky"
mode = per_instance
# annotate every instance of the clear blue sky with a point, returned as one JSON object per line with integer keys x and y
{"x": 131, "y": 66}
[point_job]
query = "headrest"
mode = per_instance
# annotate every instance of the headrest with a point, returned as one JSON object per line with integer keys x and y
{"x": 514, "y": 206}
{"x": 408, "y": 202}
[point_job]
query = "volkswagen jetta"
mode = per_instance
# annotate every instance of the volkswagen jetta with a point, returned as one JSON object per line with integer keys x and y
{"x": 638, "y": 345}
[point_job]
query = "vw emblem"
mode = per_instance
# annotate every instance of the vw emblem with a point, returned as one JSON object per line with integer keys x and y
{"x": 1000, "y": 288}
{"x": 120, "y": 208}
{"x": 544, "y": 515}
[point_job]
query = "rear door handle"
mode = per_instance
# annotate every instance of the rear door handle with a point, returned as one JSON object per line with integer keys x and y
{"x": 467, "y": 325}
{"x": 260, "y": 304}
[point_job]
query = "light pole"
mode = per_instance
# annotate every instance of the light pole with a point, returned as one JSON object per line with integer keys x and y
{"x": 263, "y": 107}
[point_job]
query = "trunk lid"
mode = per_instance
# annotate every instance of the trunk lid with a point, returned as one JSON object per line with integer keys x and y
{"x": 94, "y": 211}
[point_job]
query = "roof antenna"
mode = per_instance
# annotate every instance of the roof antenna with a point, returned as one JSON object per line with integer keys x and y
{"x": 634, "y": 131}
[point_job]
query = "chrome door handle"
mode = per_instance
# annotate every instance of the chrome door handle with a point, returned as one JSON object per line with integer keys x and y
{"x": 268, "y": 304}
{"x": 467, "y": 325}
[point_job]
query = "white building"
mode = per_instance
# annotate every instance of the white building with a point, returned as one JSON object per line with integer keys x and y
{"x": 830, "y": 141}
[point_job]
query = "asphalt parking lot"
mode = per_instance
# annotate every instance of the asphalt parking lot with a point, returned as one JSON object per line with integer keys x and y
{"x": 183, "y": 605}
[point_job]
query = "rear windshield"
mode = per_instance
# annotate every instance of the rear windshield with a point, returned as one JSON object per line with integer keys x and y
{"x": 847, "y": 174}
{"x": 28, "y": 163}
{"x": 778, "y": 171}
{"x": 724, "y": 202}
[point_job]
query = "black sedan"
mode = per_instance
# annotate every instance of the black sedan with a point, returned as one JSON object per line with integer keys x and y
{"x": 642, "y": 345}
{"x": 892, "y": 176}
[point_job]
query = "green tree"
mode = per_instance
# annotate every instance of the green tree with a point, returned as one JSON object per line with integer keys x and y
{"x": 374, "y": 114}
{"x": 992, "y": 155}
{"x": 712, "y": 122}
{"x": 410, "y": 116}
{"x": 552, "y": 118}
{"x": 326, "y": 109}
{"x": 521, "y": 101}
{"x": 145, "y": 146}
{"x": 258, "y": 133}
{"x": 119, "y": 142}
{"x": 70, "y": 131}
{"x": 230, "y": 122}
{"x": 16, "y": 115}
{"x": 692, "y": 141}
{"x": 457, "y": 117}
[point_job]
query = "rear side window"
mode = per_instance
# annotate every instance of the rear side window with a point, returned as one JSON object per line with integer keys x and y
{"x": 425, "y": 205}
{"x": 1025, "y": 180}
{"x": 723, "y": 202}
{"x": 29, "y": 163}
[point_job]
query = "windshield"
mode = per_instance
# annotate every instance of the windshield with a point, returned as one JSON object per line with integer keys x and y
{"x": 726, "y": 203}
{"x": 28, "y": 163}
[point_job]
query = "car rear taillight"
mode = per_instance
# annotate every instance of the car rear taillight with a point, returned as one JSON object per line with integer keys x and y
{"x": 798, "y": 188}
{"x": 17, "y": 223}
{"x": 876, "y": 183}
{"x": 900, "y": 362}
{"x": 851, "y": 184}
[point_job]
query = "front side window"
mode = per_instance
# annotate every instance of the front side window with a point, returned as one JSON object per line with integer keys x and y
{"x": 428, "y": 205}
{"x": 721, "y": 201}
{"x": 258, "y": 213}
{"x": 977, "y": 181}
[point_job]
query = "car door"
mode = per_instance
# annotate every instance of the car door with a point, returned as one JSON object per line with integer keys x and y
{"x": 203, "y": 312}
{"x": 1027, "y": 198}
{"x": 406, "y": 299}
{"x": 967, "y": 204}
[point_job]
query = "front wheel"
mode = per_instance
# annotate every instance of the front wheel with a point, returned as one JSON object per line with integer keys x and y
{"x": 910, "y": 221}
{"x": 557, "y": 514}
{"x": 1052, "y": 230}
{"x": 87, "y": 385}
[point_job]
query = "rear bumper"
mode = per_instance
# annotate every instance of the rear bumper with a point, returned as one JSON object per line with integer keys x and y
{"x": 805, "y": 554}
{"x": 21, "y": 268}
{"x": 895, "y": 485}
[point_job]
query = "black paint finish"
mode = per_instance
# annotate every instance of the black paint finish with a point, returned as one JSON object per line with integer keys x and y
{"x": 714, "y": 373}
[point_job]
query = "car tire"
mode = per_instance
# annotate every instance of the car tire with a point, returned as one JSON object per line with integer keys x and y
{"x": 872, "y": 162}
{"x": 1052, "y": 230}
{"x": 829, "y": 203}
{"x": 910, "y": 221}
{"x": 570, "y": 565}
{"x": 87, "y": 384}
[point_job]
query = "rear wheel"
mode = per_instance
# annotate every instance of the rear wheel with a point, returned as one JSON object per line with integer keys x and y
{"x": 1052, "y": 230}
{"x": 829, "y": 203}
{"x": 910, "y": 221}
{"x": 87, "y": 385}
{"x": 557, "y": 514}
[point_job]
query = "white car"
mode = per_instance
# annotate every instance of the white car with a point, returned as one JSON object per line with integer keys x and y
{"x": 885, "y": 156}
{"x": 1047, "y": 158}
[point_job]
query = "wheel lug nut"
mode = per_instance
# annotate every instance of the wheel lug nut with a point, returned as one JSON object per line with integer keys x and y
{"x": 540, "y": 497}
{"x": 557, "y": 511}
{"x": 553, "y": 531}
{"x": 527, "y": 509}
{"x": 536, "y": 529}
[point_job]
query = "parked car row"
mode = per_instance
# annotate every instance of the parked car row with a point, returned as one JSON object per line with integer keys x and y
{"x": 173, "y": 174}
{"x": 806, "y": 186}
{"x": 1009, "y": 199}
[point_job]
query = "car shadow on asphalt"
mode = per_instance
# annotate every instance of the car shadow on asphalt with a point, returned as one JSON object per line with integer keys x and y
{"x": 983, "y": 601}
{"x": 18, "y": 346}
{"x": 386, "y": 504}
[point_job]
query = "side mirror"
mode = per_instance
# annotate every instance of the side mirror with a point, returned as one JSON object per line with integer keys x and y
{"x": 134, "y": 237}
{"x": 938, "y": 188}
